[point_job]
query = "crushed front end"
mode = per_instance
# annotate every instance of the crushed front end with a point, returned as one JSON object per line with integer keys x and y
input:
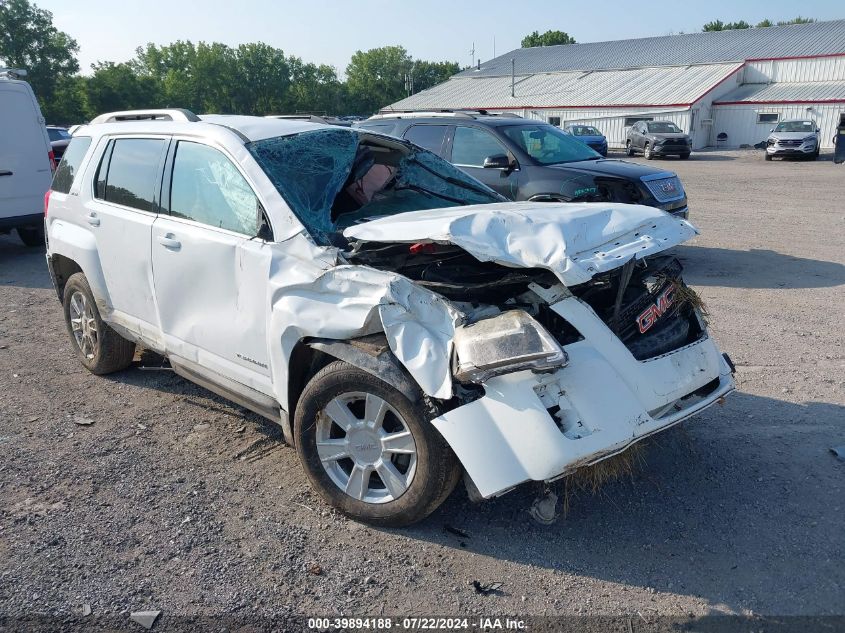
{"x": 551, "y": 378}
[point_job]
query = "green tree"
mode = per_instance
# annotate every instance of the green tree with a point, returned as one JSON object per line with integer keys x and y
{"x": 798, "y": 20}
{"x": 377, "y": 77}
{"x": 764, "y": 23}
{"x": 263, "y": 79}
{"x": 718, "y": 25}
{"x": 29, "y": 40}
{"x": 117, "y": 87}
{"x": 428, "y": 74}
{"x": 549, "y": 38}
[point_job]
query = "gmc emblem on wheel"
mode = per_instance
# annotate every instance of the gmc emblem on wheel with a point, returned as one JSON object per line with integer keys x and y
{"x": 656, "y": 310}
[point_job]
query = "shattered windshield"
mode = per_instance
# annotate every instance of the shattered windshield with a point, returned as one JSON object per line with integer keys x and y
{"x": 334, "y": 178}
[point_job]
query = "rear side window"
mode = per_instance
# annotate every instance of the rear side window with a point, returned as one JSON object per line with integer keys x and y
{"x": 131, "y": 172}
{"x": 206, "y": 187}
{"x": 66, "y": 171}
{"x": 383, "y": 128}
{"x": 429, "y": 137}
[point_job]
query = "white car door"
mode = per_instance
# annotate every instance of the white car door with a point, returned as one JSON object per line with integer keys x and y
{"x": 119, "y": 214}
{"x": 210, "y": 271}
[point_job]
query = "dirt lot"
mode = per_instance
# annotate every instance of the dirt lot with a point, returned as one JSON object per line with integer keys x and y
{"x": 175, "y": 500}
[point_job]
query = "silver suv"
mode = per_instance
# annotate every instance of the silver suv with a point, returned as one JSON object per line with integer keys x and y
{"x": 400, "y": 321}
{"x": 794, "y": 138}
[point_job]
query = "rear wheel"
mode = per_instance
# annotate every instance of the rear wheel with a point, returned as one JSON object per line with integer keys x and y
{"x": 369, "y": 451}
{"x": 629, "y": 149}
{"x": 32, "y": 235}
{"x": 99, "y": 348}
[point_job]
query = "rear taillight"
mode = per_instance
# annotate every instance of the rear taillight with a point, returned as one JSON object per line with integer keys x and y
{"x": 47, "y": 201}
{"x": 52, "y": 160}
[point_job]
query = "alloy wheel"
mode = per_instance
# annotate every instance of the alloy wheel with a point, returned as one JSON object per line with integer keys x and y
{"x": 366, "y": 447}
{"x": 83, "y": 324}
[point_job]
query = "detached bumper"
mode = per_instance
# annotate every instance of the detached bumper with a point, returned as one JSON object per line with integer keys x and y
{"x": 543, "y": 426}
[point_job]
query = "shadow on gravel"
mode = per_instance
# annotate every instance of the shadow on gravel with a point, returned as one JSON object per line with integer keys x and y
{"x": 22, "y": 266}
{"x": 742, "y": 507}
{"x": 756, "y": 268}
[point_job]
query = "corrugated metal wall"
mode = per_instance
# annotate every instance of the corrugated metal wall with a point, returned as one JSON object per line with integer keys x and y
{"x": 739, "y": 122}
{"x": 820, "y": 69}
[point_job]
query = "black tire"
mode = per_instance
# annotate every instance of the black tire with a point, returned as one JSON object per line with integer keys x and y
{"x": 767, "y": 156}
{"x": 437, "y": 469}
{"x": 647, "y": 152}
{"x": 110, "y": 351}
{"x": 629, "y": 149}
{"x": 684, "y": 156}
{"x": 32, "y": 235}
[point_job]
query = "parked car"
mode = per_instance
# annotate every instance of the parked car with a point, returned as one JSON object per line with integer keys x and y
{"x": 59, "y": 139}
{"x": 794, "y": 138}
{"x": 531, "y": 160}
{"x": 26, "y": 159}
{"x": 401, "y": 321}
{"x": 657, "y": 138}
{"x": 589, "y": 135}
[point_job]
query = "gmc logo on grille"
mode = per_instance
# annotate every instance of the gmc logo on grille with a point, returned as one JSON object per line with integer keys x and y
{"x": 667, "y": 187}
{"x": 649, "y": 316}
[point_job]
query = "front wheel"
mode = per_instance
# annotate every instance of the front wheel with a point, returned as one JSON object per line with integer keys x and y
{"x": 629, "y": 149}
{"x": 369, "y": 451}
{"x": 100, "y": 349}
{"x": 768, "y": 156}
{"x": 647, "y": 152}
{"x": 684, "y": 156}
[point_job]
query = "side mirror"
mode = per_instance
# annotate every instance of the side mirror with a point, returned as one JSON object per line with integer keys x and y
{"x": 497, "y": 161}
{"x": 772, "y": 130}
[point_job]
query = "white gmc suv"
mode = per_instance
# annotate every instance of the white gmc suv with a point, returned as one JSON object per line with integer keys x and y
{"x": 403, "y": 323}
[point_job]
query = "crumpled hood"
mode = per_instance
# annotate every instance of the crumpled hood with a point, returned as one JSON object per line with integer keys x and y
{"x": 574, "y": 241}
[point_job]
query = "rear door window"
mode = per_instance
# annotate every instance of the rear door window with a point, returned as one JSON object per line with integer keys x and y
{"x": 67, "y": 169}
{"x": 206, "y": 187}
{"x": 471, "y": 146}
{"x": 131, "y": 175}
{"x": 429, "y": 137}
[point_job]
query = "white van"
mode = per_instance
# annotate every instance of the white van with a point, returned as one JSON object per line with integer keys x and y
{"x": 26, "y": 159}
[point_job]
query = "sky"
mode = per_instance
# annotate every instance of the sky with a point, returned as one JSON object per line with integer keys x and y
{"x": 326, "y": 32}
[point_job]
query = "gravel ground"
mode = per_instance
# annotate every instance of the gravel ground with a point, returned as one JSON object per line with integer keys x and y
{"x": 173, "y": 499}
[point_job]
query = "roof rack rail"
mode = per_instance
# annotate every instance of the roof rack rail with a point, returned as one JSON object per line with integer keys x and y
{"x": 166, "y": 114}
{"x": 13, "y": 73}
{"x": 313, "y": 118}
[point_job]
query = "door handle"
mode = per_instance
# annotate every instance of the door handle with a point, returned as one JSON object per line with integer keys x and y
{"x": 5, "y": 172}
{"x": 92, "y": 219}
{"x": 168, "y": 241}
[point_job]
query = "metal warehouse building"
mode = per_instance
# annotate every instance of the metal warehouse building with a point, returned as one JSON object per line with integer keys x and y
{"x": 723, "y": 88}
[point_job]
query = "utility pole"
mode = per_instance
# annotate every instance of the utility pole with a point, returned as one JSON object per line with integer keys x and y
{"x": 472, "y": 52}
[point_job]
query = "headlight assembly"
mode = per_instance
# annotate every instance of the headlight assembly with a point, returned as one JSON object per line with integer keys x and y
{"x": 505, "y": 343}
{"x": 809, "y": 139}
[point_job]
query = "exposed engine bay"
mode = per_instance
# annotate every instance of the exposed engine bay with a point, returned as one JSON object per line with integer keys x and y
{"x": 645, "y": 302}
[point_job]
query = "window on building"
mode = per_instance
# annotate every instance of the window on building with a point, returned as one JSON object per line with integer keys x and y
{"x": 429, "y": 137}
{"x": 554, "y": 120}
{"x": 471, "y": 146}
{"x": 129, "y": 172}
{"x": 767, "y": 117}
{"x": 631, "y": 120}
{"x": 208, "y": 188}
